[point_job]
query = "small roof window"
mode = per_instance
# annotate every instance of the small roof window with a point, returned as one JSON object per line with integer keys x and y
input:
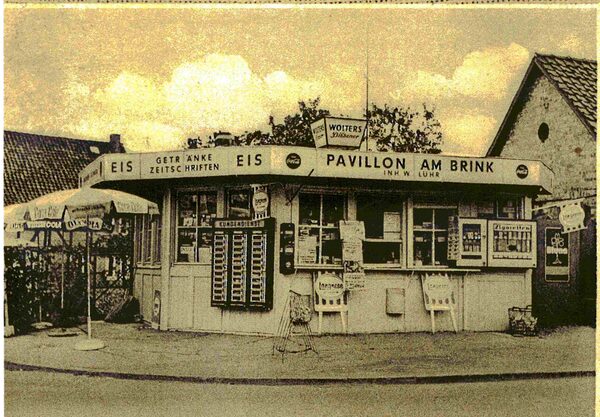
{"x": 95, "y": 150}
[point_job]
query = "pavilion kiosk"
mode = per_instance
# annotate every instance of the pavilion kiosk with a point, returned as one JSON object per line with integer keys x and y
{"x": 242, "y": 226}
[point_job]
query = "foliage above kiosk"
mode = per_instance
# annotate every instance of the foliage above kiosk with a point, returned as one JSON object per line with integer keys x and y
{"x": 394, "y": 129}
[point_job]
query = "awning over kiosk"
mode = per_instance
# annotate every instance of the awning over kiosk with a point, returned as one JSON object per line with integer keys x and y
{"x": 317, "y": 163}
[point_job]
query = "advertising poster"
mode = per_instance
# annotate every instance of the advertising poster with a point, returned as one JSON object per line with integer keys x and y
{"x": 353, "y": 233}
{"x": 307, "y": 249}
{"x": 557, "y": 255}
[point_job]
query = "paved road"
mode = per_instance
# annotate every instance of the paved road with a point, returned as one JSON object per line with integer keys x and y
{"x": 47, "y": 394}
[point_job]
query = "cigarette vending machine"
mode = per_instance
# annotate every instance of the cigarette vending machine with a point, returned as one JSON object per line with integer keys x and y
{"x": 242, "y": 265}
{"x": 467, "y": 241}
{"x": 512, "y": 243}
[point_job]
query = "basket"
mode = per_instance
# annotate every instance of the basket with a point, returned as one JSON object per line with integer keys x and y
{"x": 300, "y": 308}
{"x": 521, "y": 321}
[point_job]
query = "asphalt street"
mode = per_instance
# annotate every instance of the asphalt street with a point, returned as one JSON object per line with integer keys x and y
{"x": 50, "y": 394}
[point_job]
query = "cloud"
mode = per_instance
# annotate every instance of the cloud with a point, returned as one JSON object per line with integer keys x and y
{"x": 217, "y": 92}
{"x": 484, "y": 74}
{"x": 467, "y": 134}
{"x": 572, "y": 45}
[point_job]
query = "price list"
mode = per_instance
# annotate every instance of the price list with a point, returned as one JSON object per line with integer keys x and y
{"x": 243, "y": 264}
{"x": 258, "y": 270}
{"x": 220, "y": 268}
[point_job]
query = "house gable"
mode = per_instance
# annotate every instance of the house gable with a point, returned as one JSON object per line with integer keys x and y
{"x": 568, "y": 148}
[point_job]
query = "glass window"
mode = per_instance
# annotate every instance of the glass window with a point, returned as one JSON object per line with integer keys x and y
{"x": 318, "y": 231}
{"x": 507, "y": 208}
{"x": 382, "y": 217}
{"x": 502, "y": 208}
{"x": 430, "y": 236}
{"x": 147, "y": 239}
{"x": 238, "y": 204}
{"x": 196, "y": 212}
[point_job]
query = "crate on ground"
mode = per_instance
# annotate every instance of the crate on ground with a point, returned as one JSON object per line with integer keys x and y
{"x": 521, "y": 321}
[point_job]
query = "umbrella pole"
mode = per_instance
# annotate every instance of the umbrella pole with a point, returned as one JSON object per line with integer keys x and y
{"x": 89, "y": 284}
{"x": 62, "y": 281}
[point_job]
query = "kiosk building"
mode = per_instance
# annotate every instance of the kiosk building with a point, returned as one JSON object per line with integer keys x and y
{"x": 359, "y": 231}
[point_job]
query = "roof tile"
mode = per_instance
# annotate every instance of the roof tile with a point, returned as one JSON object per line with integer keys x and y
{"x": 35, "y": 165}
{"x": 576, "y": 79}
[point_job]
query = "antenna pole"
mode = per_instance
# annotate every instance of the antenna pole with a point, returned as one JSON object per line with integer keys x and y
{"x": 367, "y": 89}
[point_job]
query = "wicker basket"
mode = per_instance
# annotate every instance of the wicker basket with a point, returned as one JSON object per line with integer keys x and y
{"x": 521, "y": 321}
{"x": 300, "y": 308}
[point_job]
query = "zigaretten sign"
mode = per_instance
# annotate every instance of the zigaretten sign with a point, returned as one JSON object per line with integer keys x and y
{"x": 325, "y": 163}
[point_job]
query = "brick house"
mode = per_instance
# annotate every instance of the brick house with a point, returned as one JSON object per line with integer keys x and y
{"x": 552, "y": 118}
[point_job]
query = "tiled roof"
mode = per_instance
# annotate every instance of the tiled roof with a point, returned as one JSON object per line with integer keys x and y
{"x": 35, "y": 165}
{"x": 576, "y": 80}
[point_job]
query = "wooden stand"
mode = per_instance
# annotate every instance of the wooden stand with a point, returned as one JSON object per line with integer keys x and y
{"x": 438, "y": 296}
{"x": 334, "y": 302}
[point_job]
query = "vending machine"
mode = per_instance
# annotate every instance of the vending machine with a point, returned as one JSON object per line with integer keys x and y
{"x": 512, "y": 243}
{"x": 467, "y": 241}
{"x": 242, "y": 266}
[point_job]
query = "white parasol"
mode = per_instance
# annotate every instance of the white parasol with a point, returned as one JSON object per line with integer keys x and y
{"x": 77, "y": 208}
{"x": 14, "y": 218}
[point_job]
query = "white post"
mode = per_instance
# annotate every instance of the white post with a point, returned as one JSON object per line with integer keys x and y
{"x": 89, "y": 283}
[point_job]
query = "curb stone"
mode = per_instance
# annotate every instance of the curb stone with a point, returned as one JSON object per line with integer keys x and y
{"x": 416, "y": 380}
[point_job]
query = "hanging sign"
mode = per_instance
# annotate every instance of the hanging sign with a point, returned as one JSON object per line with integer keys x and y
{"x": 352, "y": 230}
{"x": 338, "y": 131}
{"x": 307, "y": 249}
{"x": 557, "y": 255}
{"x": 260, "y": 202}
{"x": 572, "y": 217}
{"x": 352, "y": 234}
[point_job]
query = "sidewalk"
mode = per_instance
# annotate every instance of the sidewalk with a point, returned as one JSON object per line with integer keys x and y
{"x": 142, "y": 351}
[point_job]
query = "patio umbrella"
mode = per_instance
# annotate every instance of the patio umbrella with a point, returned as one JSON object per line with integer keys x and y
{"x": 77, "y": 208}
{"x": 14, "y": 218}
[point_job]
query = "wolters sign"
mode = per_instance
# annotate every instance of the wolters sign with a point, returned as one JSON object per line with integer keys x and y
{"x": 338, "y": 132}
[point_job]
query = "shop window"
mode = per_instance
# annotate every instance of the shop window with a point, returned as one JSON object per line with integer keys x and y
{"x": 382, "y": 217}
{"x": 318, "y": 231}
{"x": 239, "y": 204}
{"x": 430, "y": 235}
{"x": 507, "y": 208}
{"x": 148, "y": 239}
{"x": 196, "y": 212}
{"x": 504, "y": 208}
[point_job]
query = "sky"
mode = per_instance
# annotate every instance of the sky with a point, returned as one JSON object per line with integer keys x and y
{"x": 160, "y": 75}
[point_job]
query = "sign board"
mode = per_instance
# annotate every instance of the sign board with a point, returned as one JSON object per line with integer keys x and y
{"x": 572, "y": 217}
{"x": 329, "y": 286}
{"x": 260, "y": 202}
{"x": 322, "y": 162}
{"x": 307, "y": 249}
{"x": 338, "y": 131}
{"x": 556, "y": 264}
{"x": 437, "y": 292}
{"x": 352, "y": 234}
{"x": 352, "y": 230}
